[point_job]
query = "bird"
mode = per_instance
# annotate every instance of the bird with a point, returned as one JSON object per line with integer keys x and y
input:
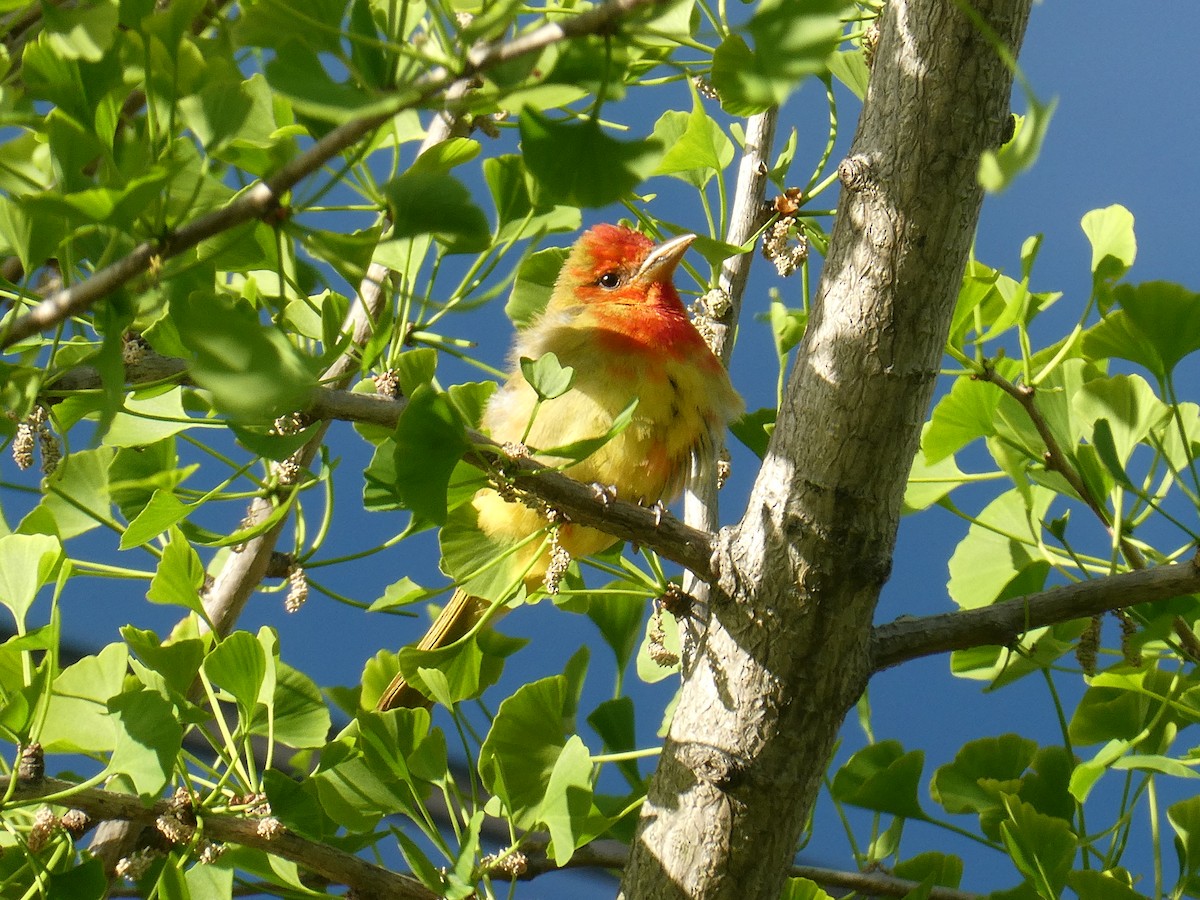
{"x": 615, "y": 317}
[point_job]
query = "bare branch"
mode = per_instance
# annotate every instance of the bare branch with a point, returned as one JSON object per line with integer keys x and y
{"x": 264, "y": 196}
{"x": 700, "y": 504}
{"x": 613, "y": 855}
{"x": 1003, "y": 623}
{"x": 367, "y": 879}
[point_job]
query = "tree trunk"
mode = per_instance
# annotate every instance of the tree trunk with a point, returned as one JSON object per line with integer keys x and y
{"x": 787, "y": 651}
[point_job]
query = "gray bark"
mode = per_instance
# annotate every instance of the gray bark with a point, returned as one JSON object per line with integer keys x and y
{"x": 788, "y": 650}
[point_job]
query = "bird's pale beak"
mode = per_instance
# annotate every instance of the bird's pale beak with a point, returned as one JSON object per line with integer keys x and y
{"x": 660, "y": 264}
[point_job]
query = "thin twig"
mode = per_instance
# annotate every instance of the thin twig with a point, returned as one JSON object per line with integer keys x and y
{"x": 1056, "y": 460}
{"x": 339, "y": 867}
{"x": 613, "y": 855}
{"x": 1001, "y": 624}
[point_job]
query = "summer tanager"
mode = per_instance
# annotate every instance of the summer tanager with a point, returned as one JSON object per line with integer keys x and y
{"x": 616, "y": 318}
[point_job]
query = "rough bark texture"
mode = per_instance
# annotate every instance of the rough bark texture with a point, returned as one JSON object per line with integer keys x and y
{"x": 788, "y": 650}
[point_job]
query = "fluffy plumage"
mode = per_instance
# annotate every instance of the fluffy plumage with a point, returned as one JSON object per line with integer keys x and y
{"x": 616, "y": 318}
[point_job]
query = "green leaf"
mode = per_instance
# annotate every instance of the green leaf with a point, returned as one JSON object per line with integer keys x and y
{"x": 697, "y": 148}
{"x": 429, "y": 440}
{"x": 78, "y": 719}
{"x": 533, "y": 285}
{"x": 1001, "y": 545}
{"x": 1106, "y": 450}
{"x": 295, "y": 71}
{"x": 1114, "y": 247}
{"x": 1108, "y": 712}
{"x": 467, "y": 552}
{"x": 1090, "y": 884}
{"x": 523, "y": 745}
{"x": 147, "y": 418}
{"x": 176, "y": 662}
{"x": 546, "y": 376}
{"x": 1167, "y": 314}
{"x": 754, "y": 429}
{"x": 568, "y": 799}
{"x": 163, "y": 511}
{"x": 253, "y": 372}
{"x": 850, "y": 68}
{"x": 149, "y": 739}
{"x": 81, "y": 32}
{"x": 516, "y": 215}
{"x": 577, "y": 164}
{"x": 930, "y": 482}
{"x": 882, "y": 777}
{"x": 982, "y": 771}
{"x": 210, "y": 882}
{"x": 436, "y": 203}
{"x": 86, "y": 881}
{"x": 1184, "y": 817}
{"x": 615, "y": 722}
{"x": 239, "y": 665}
{"x": 269, "y": 23}
{"x": 401, "y": 593}
{"x": 1128, "y": 404}
{"x": 461, "y": 671}
{"x": 1042, "y": 848}
{"x": 619, "y": 618}
{"x": 965, "y": 414}
{"x": 27, "y": 561}
{"x": 791, "y": 42}
{"x": 76, "y": 499}
{"x": 179, "y": 575}
{"x": 649, "y": 667}
{"x": 120, "y": 207}
{"x": 803, "y": 889}
{"x": 997, "y": 168}
{"x": 301, "y": 718}
{"x": 942, "y": 869}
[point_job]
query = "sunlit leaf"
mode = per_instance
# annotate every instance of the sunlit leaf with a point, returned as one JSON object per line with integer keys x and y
{"x": 1114, "y": 247}
{"x": 149, "y": 738}
{"x": 27, "y": 561}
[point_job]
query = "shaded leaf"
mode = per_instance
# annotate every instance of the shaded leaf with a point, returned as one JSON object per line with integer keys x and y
{"x": 553, "y": 152}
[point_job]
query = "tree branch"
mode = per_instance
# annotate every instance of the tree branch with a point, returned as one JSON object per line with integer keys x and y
{"x": 700, "y": 506}
{"x": 662, "y": 533}
{"x": 367, "y": 879}
{"x": 613, "y": 855}
{"x": 1003, "y": 623}
{"x": 264, "y": 195}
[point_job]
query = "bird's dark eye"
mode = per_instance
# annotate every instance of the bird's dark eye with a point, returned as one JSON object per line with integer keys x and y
{"x": 610, "y": 280}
